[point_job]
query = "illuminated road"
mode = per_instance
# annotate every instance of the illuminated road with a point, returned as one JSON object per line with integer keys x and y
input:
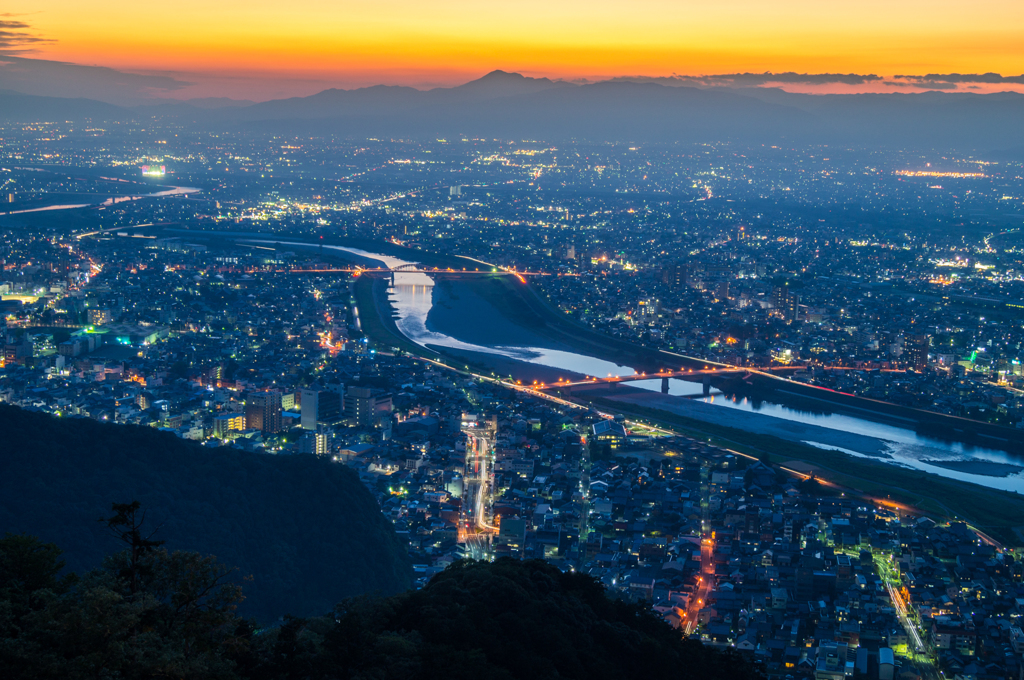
{"x": 478, "y": 484}
{"x": 901, "y": 608}
{"x": 705, "y": 582}
{"x": 112, "y": 229}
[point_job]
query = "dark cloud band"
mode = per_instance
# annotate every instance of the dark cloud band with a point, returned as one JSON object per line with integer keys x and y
{"x": 759, "y": 79}
{"x": 754, "y": 79}
{"x": 931, "y": 81}
{"x": 938, "y": 79}
{"x": 14, "y": 35}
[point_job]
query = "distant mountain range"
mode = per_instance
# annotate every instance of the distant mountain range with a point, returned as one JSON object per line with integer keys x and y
{"x": 512, "y": 106}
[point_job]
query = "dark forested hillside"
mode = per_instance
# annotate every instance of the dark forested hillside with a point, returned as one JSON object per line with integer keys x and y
{"x": 150, "y": 613}
{"x": 305, "y": 530}
{"x": 502, "y": 620}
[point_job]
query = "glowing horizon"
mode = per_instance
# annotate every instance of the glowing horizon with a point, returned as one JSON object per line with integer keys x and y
{"x": 266, "y": 49}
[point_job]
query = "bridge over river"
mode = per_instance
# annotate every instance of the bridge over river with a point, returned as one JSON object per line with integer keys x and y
{"x": 690, "y": 374}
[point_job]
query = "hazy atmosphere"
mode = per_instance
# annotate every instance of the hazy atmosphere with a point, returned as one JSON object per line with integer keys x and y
{"x": 265, "y": 50}
{"x": 523, "y": 340}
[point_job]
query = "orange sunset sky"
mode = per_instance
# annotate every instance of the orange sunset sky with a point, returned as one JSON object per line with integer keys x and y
{"x": 260, "y": 49}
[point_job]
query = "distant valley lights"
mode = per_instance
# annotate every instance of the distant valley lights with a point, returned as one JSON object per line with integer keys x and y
{"x": 935, "y": 173}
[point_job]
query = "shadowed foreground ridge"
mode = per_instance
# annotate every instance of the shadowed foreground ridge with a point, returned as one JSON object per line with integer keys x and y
{"x": 507, "y": 619}
{"x": 150, "y": 613}
{"x": 306, "y": 531}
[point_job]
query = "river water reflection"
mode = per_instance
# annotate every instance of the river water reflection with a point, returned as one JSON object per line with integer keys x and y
{"x": 993, "y": 468}
{"x": 412, "y": 298}
{"x": 111, "y": 200}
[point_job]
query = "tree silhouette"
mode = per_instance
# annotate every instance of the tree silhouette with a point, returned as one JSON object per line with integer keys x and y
{"x": 126, "y": 526}
{"x": 148, "y": 613}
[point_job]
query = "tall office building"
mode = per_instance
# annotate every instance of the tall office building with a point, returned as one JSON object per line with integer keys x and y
{"x": 18, "y": 351}
{"x": 650, "y": 307}
{"x": 263, "y": 411}
{"x": 675, "y": 274}
{"x": 915, "y": 349}
{"x": 101, "y": 316}
{"x": 226, "y": 423}
{"x": 722, "y": 290}
{"x": 785, "y": 302}
{"x": 317, "y": 443}
{"x": 364, "y": 405}
{"x": 320, "y": 407}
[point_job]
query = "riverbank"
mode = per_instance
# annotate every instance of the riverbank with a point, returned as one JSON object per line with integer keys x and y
{"x": 997, "y": 513}
{"x": 290, "y": 241}
{"x": 524, "y": 305}
{"x": 978, "y": 467}
{"x": 376, "y": 320}
{"x": 932, "y": 424}
{"x": 754, "y": 423}
{"x": 499, "y": 366}
{"x": 378, "y": 325}
{"x": 457, "y": 300}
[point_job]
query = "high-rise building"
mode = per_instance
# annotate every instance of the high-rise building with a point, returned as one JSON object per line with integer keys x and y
{"x": 101, "y": 316}
{"x": 785, "y": 302}
{"x": 263, "y": 411}
{"x": 365, "y": 405}
{"x": 316, "y": 443}
{"x": 228, "y": 422}
{"x": 722, "y": 290}
{"x": 18, "y": 351}
{"x": 649, "y": 307}
{"x": 320, "y": 407}
{"x": 675, "y": 274}
{"x": 915, "y": 349}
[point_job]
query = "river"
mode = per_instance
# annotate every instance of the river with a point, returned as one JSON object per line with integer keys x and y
{"x": 412, "y": 297}
{"x": 112, "y": 200}
{"x": 901, "y": 446}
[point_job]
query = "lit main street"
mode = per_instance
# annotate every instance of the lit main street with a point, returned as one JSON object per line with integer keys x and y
{"x": 885, "y": 571}
{"x": 474, "y": 530}
{"x": 705, "y": 583}
{"x": 478, "y": 480}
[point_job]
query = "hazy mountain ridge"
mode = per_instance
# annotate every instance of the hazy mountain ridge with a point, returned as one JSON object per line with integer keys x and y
{"x": 25, "y": 108}
{"x": 511, "y": 105}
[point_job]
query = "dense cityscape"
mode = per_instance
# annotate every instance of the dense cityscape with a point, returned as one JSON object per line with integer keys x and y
{"x": 244, "y": 290}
